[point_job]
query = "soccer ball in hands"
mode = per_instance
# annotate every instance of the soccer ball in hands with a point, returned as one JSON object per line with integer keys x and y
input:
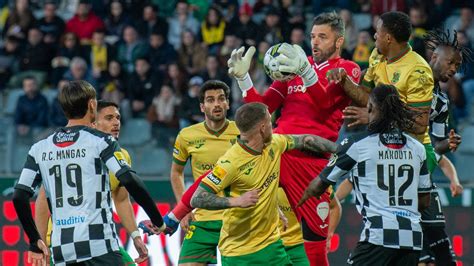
{"x": 270, "y": 64}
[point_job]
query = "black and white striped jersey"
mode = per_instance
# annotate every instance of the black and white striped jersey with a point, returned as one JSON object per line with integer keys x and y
{"x": 387, "y": 172}
{"x": 439, "y": 113}
{"x": 72, "y": 164}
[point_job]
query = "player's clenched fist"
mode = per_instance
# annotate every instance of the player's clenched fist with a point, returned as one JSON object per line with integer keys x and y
{"x": 336, "y": 75}
{"x": 454, "y": 140}
{"x": 248, "y": 199}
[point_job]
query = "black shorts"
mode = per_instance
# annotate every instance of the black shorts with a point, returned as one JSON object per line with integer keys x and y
{"x": 367, "y": 254}
{"x": 112, "y": 258}
{"x": 433, "y": 215}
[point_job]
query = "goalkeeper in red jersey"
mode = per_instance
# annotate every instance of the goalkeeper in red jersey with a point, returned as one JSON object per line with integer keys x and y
{"x": 309, "y": 105}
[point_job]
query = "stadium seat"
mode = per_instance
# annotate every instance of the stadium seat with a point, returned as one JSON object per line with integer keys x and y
{"x": 467, "y": 146}
{"x": 19, "y": 156}
{"x": 153, "y": 161}
{"x": 12, "y": 100}
{"x": 135, "y": 132}
{"x": 50, "y": 95}
{"x": 362, "y": 20}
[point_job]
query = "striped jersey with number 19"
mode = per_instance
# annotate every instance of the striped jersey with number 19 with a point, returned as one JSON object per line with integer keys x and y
{"x": 387, "y": 171}
{"x": 70, "y": 164}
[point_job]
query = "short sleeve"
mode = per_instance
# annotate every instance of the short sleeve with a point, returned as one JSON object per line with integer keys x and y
{"x": 222, "y": 176}
{"x": 180, "y": 153}
{"x": 352, "y": 70}
{"x": 283, "y": 142}
{"x": 340, "y": 162}
{"x": 30, "y": 177}
{"x": 113, "y": 157}
{"x": 420, "y": 87}
{"x": 369, "y": 77}
{"x": 424, "y": 184}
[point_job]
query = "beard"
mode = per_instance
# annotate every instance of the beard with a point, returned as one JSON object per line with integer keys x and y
{"x": 324, "y": 55}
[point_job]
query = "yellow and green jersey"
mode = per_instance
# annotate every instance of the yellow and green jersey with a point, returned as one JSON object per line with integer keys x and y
{"x": 114, "y": 184}
{"x": 204, "y": 146}
{"x": 292, "y": 236}
{"x": 241, "y": 169}
{"x": 409, "y": 73}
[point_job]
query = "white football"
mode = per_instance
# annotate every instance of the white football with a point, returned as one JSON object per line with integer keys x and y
{"x": 270, "y": 64}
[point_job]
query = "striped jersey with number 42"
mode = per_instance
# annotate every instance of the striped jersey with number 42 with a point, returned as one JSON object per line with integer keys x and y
{"x": 387, "y": 172}
{"x": 70, "y": 164}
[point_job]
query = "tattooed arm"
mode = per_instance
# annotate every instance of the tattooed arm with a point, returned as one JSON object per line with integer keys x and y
{"x": 313, "y": 143}
{"x": 204, "y": 199}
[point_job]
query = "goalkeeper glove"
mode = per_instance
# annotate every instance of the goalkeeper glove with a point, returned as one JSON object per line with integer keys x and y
{"x": 239, "y": 67}
{"x": 292, "y": 59}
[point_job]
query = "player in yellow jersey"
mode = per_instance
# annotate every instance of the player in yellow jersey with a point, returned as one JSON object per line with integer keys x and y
{"x": 108, "y": 120}
{"x": 249, "y": 174}
{"x": 203, "y": 144}
{"x": 393, "y": 62}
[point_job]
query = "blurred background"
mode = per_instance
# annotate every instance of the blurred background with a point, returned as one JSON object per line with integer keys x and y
{"x": 141, "y": 53}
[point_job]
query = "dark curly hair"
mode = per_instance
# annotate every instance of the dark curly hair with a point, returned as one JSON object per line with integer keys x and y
{"x": 443, "y": 38}
{"x": 393, "y": 113}
{"x": 398, "y": 25}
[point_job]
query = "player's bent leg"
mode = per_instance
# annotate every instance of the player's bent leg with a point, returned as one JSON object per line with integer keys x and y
{"x": 406, "y": 257}
{"x": 426, "y": 255}
{"x": 111, "y": 258}
{"x": 273, "y": 254}
{"x": 200, "y": 243}
{"x": 316, "y": 252}
{"x": 430, "y": 157}
{"x": 297, "y": 255}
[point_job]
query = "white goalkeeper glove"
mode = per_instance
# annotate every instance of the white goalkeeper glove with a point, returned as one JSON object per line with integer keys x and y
{"x": 294, "y": 60}
{"x": 239, "y": 68}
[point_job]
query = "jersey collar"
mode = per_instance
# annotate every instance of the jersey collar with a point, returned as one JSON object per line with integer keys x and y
{"x": 399, "y": 56}
{"x": 219, "y": 132}
{"x": 247, "y": 148}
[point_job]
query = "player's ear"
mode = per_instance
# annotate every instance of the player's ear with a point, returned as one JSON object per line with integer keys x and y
{"x": 201, "y": 105}
{"x": 339, "y": 42}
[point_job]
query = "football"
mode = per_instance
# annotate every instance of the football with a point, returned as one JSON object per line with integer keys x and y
{"x": 270, "y": 64}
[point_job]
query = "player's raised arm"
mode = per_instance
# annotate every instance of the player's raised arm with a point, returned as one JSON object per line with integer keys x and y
{"x": 312, "y": 143}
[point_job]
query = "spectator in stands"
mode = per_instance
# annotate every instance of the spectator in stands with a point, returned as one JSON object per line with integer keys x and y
{"x": 9, "y": 59}
{"x": 177, "y": 77}
{"x": 131, "y": 49}
{"x": 199, "y": 8}
{"x": 244, "y": 27}
{"x": 20, "y": 20}
{"x": 438, "y": 11}
{"x": 228, "y": 8}
{"x": 143, "y": 86}
{"x": 293, "y": 12}
{"x": 68, "y": 49}
{"x": 84, "y": 22}
{"x": 379, "y": 7}
{"x": 351, "y": 33}
{"x": 181, "y": 21}
{"x": 465, "y": 22}
{"x": 36, "y": 55}
{"x": 212, "y": 30}
{"x": 192, "y": 54}
{"x": 51, "y": 25}
{"x": 78, "y": 70}
{"x": 189, "y": 111}
{"x": 231, "y": 42}
{"x": 31, "y": 114}
{"x": 162, "y": 116}
{"x": 116, "y": 20}
{"x": 271, "y": 30}
{"x": 464, "y": 100}
{"x": 215, "y": 71}
{"x": 161, "y": 52}
{"x": 363, "y": 49}
{"x": 419, "y": 21}
{"x": 113, "y": 85}
{"x": 99, "y": 53}
{"x": 151, "y": 22}
{"x": 56, "y": 115}
{"x": 298, "y": 37}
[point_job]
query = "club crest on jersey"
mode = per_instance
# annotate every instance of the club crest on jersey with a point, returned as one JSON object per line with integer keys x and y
{"x": 120, "y": 158}
{"x": 65, "y": 139}
{"x": 333, "y": 159}
{"x": 396, "y": 77}
{"x": 175, "y": 151}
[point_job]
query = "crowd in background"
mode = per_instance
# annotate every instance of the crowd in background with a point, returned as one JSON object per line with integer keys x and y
{"x": 151, "y": 57}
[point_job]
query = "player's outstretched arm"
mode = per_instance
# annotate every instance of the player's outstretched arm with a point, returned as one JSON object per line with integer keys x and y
{"x": 137, "y": 190}
{"x": 344, "y": 189}
{"x": 313, "y": 143}
{"x": 315, "y": 189}
{"x": 42, "y": 213}
{"x": 177, "y": 180}
{"x": 358, "y": 93}
{"x": 450, "y": 172}
{"x": 204, "y": 199}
